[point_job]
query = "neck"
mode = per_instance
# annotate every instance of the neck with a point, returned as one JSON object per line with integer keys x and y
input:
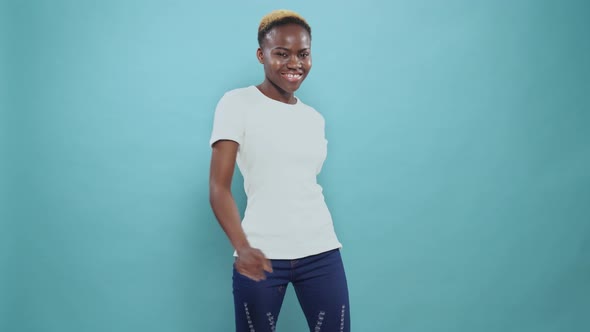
{"x": 273, "y": 91}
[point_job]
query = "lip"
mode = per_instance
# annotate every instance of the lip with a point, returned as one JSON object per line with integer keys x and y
{"x": 292, "y": 77}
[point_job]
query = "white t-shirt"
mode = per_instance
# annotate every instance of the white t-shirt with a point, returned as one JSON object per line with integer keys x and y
{"x": 282, "y": 148}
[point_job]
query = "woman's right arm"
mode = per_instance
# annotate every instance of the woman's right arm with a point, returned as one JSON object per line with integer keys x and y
{"x": 251, "y": 262}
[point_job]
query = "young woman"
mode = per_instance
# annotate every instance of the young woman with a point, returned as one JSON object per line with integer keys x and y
{"x": 287, "y": 234}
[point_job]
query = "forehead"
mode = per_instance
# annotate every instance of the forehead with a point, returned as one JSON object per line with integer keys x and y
{"x": 289, "y": 35}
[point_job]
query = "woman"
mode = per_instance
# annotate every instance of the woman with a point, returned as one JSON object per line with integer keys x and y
{"x": 287, "y": 234}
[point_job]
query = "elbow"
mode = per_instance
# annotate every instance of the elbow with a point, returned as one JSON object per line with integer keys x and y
{"x": 216, "y": 193}
{"x": 212, "y": 194}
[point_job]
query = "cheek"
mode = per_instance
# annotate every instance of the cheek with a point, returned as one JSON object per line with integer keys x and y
{"x": 275, "y": 64}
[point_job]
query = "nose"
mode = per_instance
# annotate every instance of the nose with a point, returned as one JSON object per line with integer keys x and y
{"x": 294, "y": 62}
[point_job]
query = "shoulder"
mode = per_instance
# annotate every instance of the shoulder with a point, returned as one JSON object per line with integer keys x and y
{"x": 236, "y": 102}
{"x": 317, "y": 116}
{"x": 239, "y": 95}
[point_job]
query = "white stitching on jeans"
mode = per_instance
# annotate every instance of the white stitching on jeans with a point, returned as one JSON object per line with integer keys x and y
{"x": 250, "y": 324}
{"x": 271, "y": 321}
{"x": 342, "y": 318}
{"x": 318, "y": 325}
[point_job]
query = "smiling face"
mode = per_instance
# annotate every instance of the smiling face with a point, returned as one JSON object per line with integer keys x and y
{"x": 285, "y": 53}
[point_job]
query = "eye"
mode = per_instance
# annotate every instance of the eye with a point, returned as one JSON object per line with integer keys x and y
{"x": 304, "y": 54}
{"x": 282, "y": 54}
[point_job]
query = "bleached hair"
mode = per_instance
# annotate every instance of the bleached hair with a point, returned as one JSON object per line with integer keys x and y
{"x": 277, "y": 18}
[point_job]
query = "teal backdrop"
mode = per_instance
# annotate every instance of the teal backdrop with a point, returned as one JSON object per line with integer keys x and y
{"x": 458, "y": 171}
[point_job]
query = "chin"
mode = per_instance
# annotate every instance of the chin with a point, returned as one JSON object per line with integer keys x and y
{"x": 291, "y": 88}
{"x": 285, "y": 86}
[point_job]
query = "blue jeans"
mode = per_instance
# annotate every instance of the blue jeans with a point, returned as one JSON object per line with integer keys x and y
{"x": 320, "y": 285}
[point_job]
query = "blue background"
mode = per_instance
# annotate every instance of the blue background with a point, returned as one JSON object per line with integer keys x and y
{"x": 458, "y": 171}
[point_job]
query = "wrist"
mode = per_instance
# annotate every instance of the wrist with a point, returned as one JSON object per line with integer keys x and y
{"x": 242, "y": 246}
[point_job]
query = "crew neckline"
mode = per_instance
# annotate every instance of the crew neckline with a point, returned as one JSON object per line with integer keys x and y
{"x": 297, "y": 103}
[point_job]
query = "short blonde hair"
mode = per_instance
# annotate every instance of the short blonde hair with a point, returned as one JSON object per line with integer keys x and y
{"x": 280, "y": 17}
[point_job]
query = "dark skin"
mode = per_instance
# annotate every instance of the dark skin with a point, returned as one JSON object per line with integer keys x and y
{"x": 285, "y": 50}
{"x": 285, "y": 54}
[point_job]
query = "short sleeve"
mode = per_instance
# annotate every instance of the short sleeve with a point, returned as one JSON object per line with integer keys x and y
{"x": 228, "y": 121}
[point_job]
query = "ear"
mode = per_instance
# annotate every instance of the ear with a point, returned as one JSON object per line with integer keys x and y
{"x": 260, "y": 55}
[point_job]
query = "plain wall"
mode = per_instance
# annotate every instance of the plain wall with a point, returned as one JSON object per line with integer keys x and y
{"x": 457, "y": 171}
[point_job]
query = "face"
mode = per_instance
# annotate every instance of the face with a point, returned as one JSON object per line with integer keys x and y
{"x": 286, "y": 56}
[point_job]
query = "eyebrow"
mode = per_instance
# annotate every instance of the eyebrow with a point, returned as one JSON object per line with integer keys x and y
{"x": 286, "y": 49}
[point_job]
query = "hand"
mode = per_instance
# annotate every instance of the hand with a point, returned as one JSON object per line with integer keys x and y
{"x": 252, "y": 263}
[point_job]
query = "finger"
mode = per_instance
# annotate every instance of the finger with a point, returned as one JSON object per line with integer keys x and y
{"x": 258, "y": 277}
{"x": 251, "y": 276}
{"x": 267, "y": 266}
{"x": 264, "y": 262}
{"x": 255, "y": 274}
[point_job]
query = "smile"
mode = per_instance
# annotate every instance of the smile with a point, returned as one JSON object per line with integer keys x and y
{"x": 292, "y": 77}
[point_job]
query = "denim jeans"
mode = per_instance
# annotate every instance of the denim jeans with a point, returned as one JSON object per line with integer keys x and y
{"x": 320, "y": 286}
